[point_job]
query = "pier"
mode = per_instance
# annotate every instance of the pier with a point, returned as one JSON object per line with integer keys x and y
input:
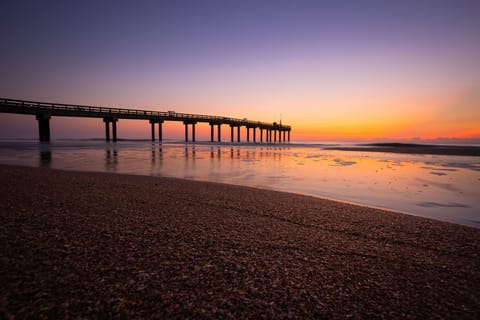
{"x": 43, "y": 111}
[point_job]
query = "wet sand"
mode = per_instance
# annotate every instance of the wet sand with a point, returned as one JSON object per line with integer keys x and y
{"x": 413, "y": 149}
{"x": 100, "y": 245}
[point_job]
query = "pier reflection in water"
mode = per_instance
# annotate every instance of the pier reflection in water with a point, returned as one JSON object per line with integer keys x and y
{"x": 111, "y": 159}
{"x": 441, "y": 187}
{"x": 45, "y": 158}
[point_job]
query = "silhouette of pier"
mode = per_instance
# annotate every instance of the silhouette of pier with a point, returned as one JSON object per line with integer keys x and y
{"x": 43, "y": 112}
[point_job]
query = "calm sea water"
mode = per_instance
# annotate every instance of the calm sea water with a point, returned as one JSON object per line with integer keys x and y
{"x": 440, "y": 187}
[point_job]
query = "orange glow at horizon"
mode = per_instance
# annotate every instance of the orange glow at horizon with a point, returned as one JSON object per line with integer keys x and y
{"x": 386, "y": 116}
{"x": 368, "y": 131}
{"x": 428, "y": 116}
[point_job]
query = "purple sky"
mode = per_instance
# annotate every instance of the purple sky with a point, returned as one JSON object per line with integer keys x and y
{"x": 317, "y": 63}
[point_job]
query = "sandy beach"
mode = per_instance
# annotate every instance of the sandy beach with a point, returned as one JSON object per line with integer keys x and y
{"x": 102, "y": 245}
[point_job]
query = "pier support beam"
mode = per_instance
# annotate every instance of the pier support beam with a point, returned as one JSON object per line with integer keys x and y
{"x": 274, "y": 136}
{"x": 248, "y": 134}
{"x": 238, "y": 133}
{"x": 160, "y": 131}
{"x": 212, "y": 131}
{"x": 107, "y": 129}
{"x": 152, "y": 124}
{"x": 43, "y": 127}
{"x": 284, "y": 132}
{"x": 231, "y": 133}
{"x": 186, "y": 123}
{"x": 254, "y": 135}
{"x": 114, "y": 130}
{"x": 288, "y": 135}
{"x": 160, "y": 136}
{"x": 261, "y": 135}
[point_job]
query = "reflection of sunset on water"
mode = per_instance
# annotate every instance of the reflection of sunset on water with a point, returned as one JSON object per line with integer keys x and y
{"x": 441, "y": 187}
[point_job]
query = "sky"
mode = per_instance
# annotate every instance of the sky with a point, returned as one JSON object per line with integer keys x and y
{"x": 333, "y": 70}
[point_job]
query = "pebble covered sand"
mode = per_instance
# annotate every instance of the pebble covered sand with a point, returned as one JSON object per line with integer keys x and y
{"x": 95, "y": 245}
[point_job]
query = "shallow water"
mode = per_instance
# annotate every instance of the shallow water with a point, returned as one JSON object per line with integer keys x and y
{"x": 440, "y": 187}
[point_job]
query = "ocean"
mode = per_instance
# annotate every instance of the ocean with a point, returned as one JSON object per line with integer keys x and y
{"x": 440, "y": 187}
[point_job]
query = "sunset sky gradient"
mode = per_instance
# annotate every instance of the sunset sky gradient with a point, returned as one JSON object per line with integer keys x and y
{"x": 332, "y": 69}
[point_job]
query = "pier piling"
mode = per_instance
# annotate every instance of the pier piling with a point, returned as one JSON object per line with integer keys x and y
{"x": 107, "y": 121}
{"x": 43, "y": 127}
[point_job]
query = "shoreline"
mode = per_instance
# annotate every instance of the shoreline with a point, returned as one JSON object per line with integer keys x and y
{"x": 96, "y": 244}
{"x": 467, "y": 223}
{"x": 411, "y": 196}
{"x": 398, "y": 148}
